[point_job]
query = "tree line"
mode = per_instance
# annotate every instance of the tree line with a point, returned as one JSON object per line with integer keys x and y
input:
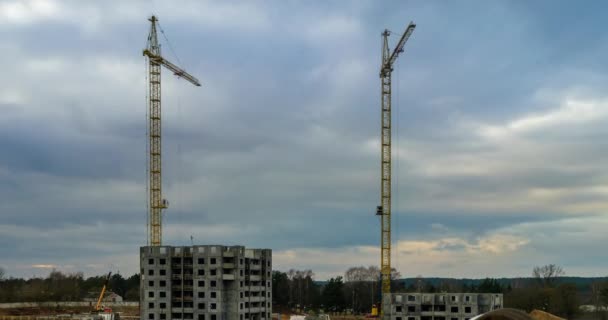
{"x": 359, "y": 289}
{"x": 59, "y": 286}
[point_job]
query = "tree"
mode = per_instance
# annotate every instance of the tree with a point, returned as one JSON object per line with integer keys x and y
{"x": 547, "y": 295}
{"x": 565, "y": 301}
{"x": 132, "y": 288}
{"x": 333, "y": 295}
{"x": 419, "y": 283}
{"x": 361, "y": 287}
{"x": 449, "y": 285}
{"x": 603, "y": 293}
{"x": 93, "y": 284}
{"x": 355, "y": 274}
{"x": 547, "y": 275}
{"x": 59, "y": 286}
{"x": 295, "y": 288}
{"x": 280, "y": 288}
{"x": 35, "y": 290}
{"x": 489, "y": 285}
{"x": 1, "y": 273}
{"x": 396, "y": 284}
{"x": 63, "y": 286}
{"x": 523, "y": 298}
{"x": 118, "y": 285}
{"x": 374, "y": 276}
{"x": 357, "y": 288}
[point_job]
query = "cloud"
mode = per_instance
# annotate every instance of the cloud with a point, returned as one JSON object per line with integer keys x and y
{"x": 412, "y": 257}
{"x": 494, "y": 244}
{"x": 25, "y": 12}
{"x": 439, "y": 227}
{"x": 44, "y": 266}
{"x": 499, "y": 146}
{"x": 572, "y": 112}
{"x": 91, "y": 20}
{"x": 333, "y": 28}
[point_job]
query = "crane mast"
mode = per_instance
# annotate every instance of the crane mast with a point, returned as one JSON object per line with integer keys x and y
{"x": 384, "y": 210}
{"x": 156, "y": 201}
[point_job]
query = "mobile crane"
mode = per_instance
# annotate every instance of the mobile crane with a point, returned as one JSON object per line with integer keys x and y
{"x": 100, "y": 312}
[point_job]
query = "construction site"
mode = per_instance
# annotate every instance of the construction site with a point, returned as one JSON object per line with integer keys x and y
{"x": 213, "y": 282}
{"x": 180, "y": 278}
{"x": 208, "y": 282}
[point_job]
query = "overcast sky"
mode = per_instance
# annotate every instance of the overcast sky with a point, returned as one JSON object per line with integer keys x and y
{"x": 500, "y": 134}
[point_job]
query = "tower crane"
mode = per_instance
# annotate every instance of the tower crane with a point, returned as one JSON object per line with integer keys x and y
{"x": 384, "y": 209}
{"x": 155, "y": 60}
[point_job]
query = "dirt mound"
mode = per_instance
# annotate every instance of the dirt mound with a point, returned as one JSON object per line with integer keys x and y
{"x": 541, "y": 315}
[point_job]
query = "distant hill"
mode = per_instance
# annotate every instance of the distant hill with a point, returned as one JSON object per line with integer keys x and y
{"x": 582, "y": 283}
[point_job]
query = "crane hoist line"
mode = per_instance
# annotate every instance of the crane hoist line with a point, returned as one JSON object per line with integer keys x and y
{"x": 155, "y": 60}
{"x": 384, "y": 209}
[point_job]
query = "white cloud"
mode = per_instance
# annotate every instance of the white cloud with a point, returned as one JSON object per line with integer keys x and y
{"x": 411, "y": 257}
{"x": 239, "y": 15}
{"x": 91, "y": 18}
{"x": 547, "y": 162}
{"x": 44, "y": 266}
{"x": 12, "y": 96}
{"x": 500, "y": 243}
{"x": 28, "y": 11}
{"x": 571, "y": 112}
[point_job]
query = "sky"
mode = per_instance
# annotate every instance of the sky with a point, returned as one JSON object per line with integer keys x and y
{"x": 499, "y": 138}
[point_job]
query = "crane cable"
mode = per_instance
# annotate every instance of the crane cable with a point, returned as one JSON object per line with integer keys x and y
{"x": 180, "y": 171}
{"x": 397, "y": 167}
{"x": 170, "y": 46}
{"x": 176, "y": 182}
{"x": 179, "y": 160}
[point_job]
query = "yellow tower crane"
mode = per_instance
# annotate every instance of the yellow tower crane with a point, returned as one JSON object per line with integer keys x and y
{"x": 156, "y": 201}
{"x": 384, "y": 209}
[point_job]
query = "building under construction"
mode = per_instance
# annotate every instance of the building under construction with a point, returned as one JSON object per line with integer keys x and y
{"x": 205, "y": 283}
{"x": 442, "y": 306}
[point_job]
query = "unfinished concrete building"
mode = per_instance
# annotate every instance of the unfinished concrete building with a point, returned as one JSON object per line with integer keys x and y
{"x": 209, "y": 282}
{"x": 443, "y": 306}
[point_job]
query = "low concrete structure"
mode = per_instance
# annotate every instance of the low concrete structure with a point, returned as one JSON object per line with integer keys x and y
{"x": 53, "y": 304}
{"x": 206, "y": 282}
{"x": 443, "y": 306}
{"x": 109, "y": 296}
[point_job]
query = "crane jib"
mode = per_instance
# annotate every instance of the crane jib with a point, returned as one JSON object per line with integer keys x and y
{"x": 175, "y": 69}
